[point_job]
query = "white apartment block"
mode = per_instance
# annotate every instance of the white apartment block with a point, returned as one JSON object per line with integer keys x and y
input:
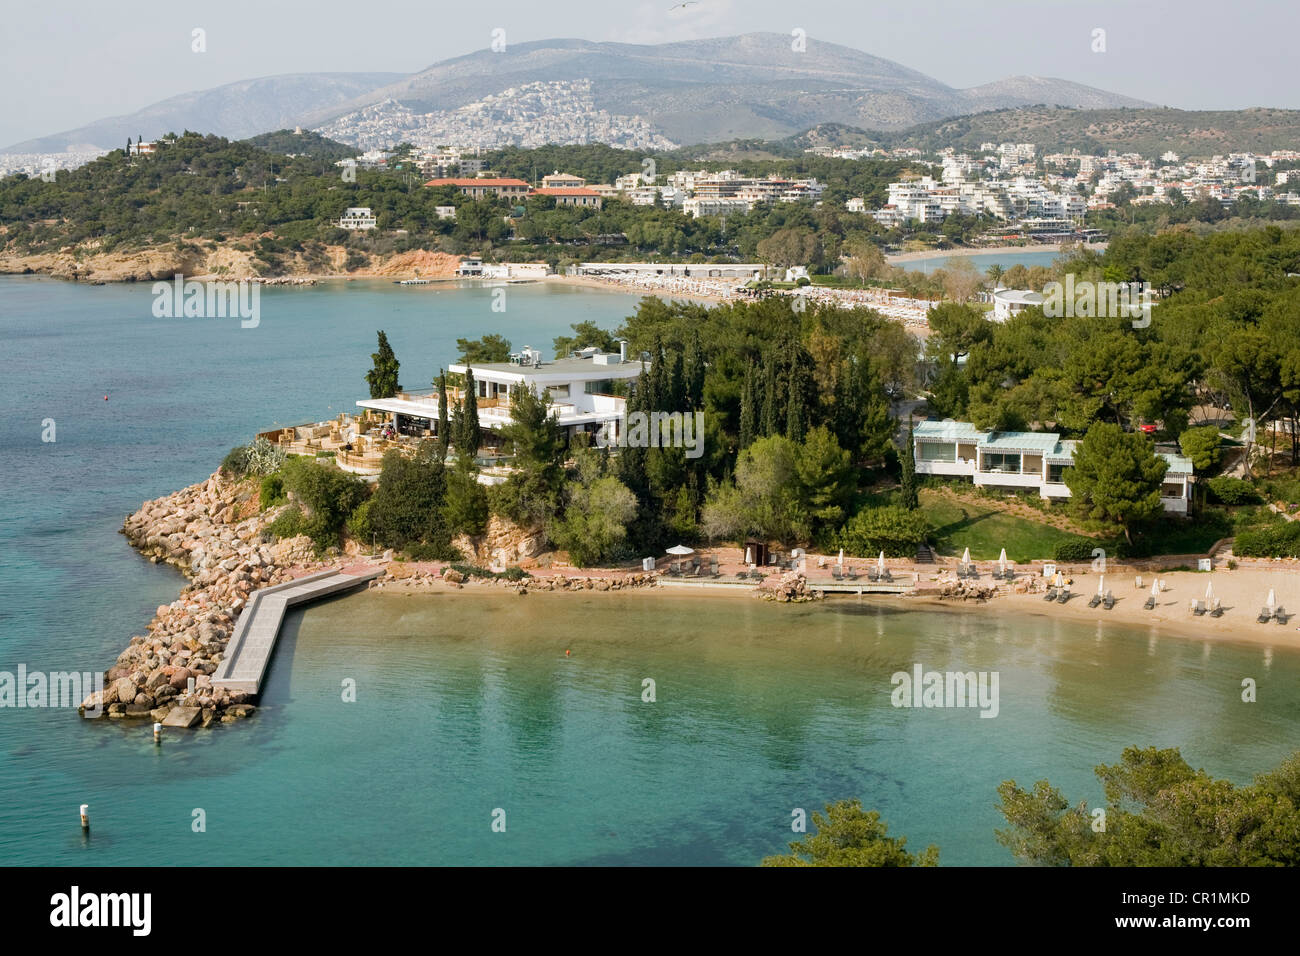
{"x": 1012, "y": 460}
{"x": 357, "y": 218}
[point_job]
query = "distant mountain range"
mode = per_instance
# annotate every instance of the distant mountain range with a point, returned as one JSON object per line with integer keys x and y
{"x": 236, "y": 111}
{"x": 693, "y": 91}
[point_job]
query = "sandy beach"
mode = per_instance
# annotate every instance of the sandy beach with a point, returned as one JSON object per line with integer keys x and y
{"x": 900, "y": 257}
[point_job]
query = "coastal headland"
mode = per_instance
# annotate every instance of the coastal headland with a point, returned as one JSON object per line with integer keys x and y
{"x": 215, "y": 533}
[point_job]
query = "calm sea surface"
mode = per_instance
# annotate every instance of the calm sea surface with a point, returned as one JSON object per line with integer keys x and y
{"x": 465, "y": 702}
{"x": 982, "y": 262}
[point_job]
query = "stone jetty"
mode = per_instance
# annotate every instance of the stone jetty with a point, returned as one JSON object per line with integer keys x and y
{"x": 214, "y": 533}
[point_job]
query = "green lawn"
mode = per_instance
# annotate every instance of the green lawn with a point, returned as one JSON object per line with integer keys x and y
{"x": 986, "y": 531}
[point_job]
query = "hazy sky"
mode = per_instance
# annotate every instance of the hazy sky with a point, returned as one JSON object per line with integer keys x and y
{"x": 62, "y": 69}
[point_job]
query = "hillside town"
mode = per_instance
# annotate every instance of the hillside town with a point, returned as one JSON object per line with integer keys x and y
{"x": 533, "y": 114}
{"x": 1049, "y": 195}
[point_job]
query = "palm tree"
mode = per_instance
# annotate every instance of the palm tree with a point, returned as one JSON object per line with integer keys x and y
{"x": 995, "y": 272}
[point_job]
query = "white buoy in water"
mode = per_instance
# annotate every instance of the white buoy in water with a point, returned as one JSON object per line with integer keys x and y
{"x": 85, "y": 816}
{"x": 157, "y": 732}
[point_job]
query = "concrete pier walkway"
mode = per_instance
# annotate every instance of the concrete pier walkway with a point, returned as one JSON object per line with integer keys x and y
{"x": 249, "y": 652}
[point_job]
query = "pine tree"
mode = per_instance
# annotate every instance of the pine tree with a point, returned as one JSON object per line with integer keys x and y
{"x": 675, "y": 385}
{"x": 909, "y": 498}
{"x": 382, "y": 378}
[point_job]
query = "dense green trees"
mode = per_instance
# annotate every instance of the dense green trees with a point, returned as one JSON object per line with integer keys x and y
{"x": 531, "y": 494}
{"x": 1116, "y": 477}
{"x": 846, "y": 835}
{"x": 407, "y": 508}
{"x": 1158, "y": 812}
{"x": 324, "y": 498}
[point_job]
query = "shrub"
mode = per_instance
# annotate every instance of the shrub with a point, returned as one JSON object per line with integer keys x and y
{"x": 288, "y": 525}
{"x": 1280, "y": 540}
{"x": 358, "y": 523}
{"x": 1079, "y": 549}
{"x": 328, "y": 496}
{"x": 236, "y": 461}
{"x": 271, "y": 492}
{"x": 1233, "y": 491}
{"x": 892, "y": 529}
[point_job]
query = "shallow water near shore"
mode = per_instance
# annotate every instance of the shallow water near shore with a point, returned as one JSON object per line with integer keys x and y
{"x": 465, "y": 701}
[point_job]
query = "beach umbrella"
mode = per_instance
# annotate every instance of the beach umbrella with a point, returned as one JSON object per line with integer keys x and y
{"x": 680, "y": 549}
{"x": 1101, "y": 584}
{"x": 880, "y": 562}
{"x": 840, "y": 560}
{"x": 1155, "y": 589}
{"x": 1272, "y": 600}
{"x": 749, "y": 555}
{"x": 1002, "y": 560}
{"x": 1059, "y": 580}
{"x": 1209, "y": 590}
{"x": 965, "y": 557}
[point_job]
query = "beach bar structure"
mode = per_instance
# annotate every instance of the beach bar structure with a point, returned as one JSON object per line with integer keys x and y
{"x": 1012, "y": 460}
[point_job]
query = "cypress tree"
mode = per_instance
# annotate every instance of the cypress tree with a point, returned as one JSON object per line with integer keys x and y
{"x": 910, "y": 499}
{"x": 467, "y": 446}
{"x": 796, "y": 417}
{"x": 675, "y": 385}
{"x": 748, "y": 421}
{"x": 444, "y": 437}
{"x": 695, "y": 372}
{"x": 771, "y": 400}
{"x": 382, "y": 377}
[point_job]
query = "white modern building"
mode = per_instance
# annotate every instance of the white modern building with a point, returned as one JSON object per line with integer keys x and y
{"x": 577, "y": 391}
{"x": 1021, "y": 460}
{"x": 357, "y": 217}
{"x": 1009, "y": 302}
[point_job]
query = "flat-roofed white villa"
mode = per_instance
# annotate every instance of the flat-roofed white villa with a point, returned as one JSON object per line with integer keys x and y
{"x": 1021, "y": 460}
{"x": 576, "y": 388}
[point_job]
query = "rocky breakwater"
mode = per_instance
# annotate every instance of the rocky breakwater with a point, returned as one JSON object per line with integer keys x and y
{"x": 789, "y": 588}
{"x": 215, "y": 534}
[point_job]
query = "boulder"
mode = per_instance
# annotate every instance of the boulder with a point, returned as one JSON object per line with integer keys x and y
{"x": 181, "y": 717}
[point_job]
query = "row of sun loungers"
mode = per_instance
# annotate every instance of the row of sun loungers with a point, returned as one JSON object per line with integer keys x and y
{"x": 1277, "y": 615}
{"x": 694, "y": 569}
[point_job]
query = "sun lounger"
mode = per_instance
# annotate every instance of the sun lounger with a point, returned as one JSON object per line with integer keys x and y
{"x": 1051, "y": 595}
{"x": 1265, "y": 615}
{"x": 1064, "y": 596}
{"x": 713, "y": 568}
{"x": 1280, "y": 616}
{"x": 1217, "y": 610}
{"x": 1094, "y": 600}
{"x": 1150, "y": 604}
{"x": 886, "y": 575}
{"x": 1198, "y": 608}
{"x": 1108, "y": 601}
{"x": 851, "y": 574}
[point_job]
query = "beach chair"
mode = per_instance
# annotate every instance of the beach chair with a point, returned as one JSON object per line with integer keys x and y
{"x": 871, "y": 575}
{"x": 1198, "y": 608}
{"x": 713, "y": 568}
{"x": 695, "y": 565}
{"x": 1280, "y": 615}
{"x": 1064, "y": 596}
{"x": 1217, "y": 609}
{"x": 850, "y": 573}
{"x": 1108, "y": 601}
{"x": 675, "y": 569}
{"x": 1051, "y": 594}
{"x": 1094, "y": 600}
{"x": 836, "y": 573}
{"x": 886, "y": 575}
{"x": 1150, "y": 604}
{"x": 1265, "y": 615}
{"x": 742, "y": 574}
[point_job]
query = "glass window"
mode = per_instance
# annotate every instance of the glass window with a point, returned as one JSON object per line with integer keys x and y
{"x": 938, "y": 451}
{"x": 1055, "y": 473}
{"x": 1008, "y": 463}
{"x": 1171, "y": 490}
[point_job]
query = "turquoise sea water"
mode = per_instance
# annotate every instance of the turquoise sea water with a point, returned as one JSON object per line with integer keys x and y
{"x": 466, "y": 702}
{"x": 983, "y": 261}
